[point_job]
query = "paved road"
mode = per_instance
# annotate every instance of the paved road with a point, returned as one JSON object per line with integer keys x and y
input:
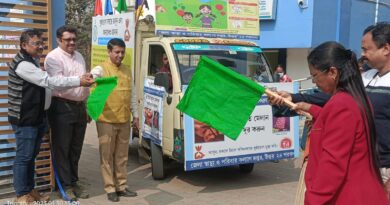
{"x": 269, "y": 183}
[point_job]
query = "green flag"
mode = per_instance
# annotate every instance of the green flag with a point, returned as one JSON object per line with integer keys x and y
{"x": 220, "y": 97}
{"x": 121, "y": 6}
{"x": 99, "y": 95}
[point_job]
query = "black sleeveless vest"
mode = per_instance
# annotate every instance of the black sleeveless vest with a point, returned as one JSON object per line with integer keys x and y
{"x": 26, "y": 100}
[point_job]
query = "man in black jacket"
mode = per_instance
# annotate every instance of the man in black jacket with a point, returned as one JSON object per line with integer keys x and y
{"x": 27, "y": 97}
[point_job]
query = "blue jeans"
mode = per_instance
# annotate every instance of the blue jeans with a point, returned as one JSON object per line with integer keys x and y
{"x": 28, "y": 142}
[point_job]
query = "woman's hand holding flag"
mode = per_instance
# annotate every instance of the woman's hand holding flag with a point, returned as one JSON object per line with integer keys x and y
{"x": 284, "y": 98}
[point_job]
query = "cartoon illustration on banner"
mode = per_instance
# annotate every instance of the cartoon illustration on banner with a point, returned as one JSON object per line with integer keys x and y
{"x": 263, "y": 138}
{"x": 208, "y": 18}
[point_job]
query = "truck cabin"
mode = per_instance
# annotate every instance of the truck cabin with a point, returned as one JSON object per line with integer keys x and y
{"x": 247, "y": 60}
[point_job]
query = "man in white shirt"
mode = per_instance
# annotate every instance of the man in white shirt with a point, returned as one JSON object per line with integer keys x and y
{"x": 376, "y": 51}
{"x": 67, "y": 114}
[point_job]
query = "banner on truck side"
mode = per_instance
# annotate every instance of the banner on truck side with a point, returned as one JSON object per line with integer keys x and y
{"x": 263, "y": 138}
{"x": 237, "y": 19}
{"x": 104, "y": 28}
{"x": 152, "y": 115}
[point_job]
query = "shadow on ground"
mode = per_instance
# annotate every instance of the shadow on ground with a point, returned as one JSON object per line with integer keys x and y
{"x": 180, "y": 186}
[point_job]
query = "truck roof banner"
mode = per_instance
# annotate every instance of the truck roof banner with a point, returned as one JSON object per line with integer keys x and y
{"x": 238, "y": 19}
{"x": 104, "y": 28}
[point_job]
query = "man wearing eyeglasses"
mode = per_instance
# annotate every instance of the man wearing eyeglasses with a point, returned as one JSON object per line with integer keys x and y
{"x": 67, "y": 114}
{"x": 28, "y": 101}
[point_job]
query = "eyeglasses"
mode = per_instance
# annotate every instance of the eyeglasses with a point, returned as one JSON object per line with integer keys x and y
{"x": 37, "y": 43}
{"x": 69, "y": 39}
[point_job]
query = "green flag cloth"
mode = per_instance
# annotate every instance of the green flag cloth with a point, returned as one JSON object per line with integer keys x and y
{"x": 99, "y": 95}
{"x": 220, "y": 97}
{"x": 121, "y": 6}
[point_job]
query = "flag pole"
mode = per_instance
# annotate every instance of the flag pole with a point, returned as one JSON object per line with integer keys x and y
{"x": 288, "y": 103}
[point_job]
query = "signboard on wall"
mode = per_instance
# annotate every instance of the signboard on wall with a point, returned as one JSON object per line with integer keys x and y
{"x": 107, "y": 27}
{"x": 237, "y": 19}
{"x": 263, "y": 138}
{"x": 267, "y": 9}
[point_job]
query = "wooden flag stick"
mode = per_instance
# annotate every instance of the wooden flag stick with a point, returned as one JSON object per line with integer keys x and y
{"x": 289, "y": 104}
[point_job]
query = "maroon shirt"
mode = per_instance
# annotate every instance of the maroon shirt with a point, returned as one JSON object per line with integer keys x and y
{"x": 167, "y": 69}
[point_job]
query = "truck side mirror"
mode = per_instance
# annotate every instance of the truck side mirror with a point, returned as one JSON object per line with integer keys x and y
{"x": 162, "y": 79}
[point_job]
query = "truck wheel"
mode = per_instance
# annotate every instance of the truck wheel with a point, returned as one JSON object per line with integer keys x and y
{"x": 158, "y": 171}
{"x": 246, "y": 168}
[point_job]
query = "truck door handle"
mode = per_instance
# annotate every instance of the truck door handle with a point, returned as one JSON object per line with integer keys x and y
{"x": 169, "y": 99}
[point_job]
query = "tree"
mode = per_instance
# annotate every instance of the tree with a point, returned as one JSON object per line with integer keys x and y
{"x": 79, "y": 13}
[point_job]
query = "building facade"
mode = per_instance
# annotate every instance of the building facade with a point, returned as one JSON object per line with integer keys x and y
{"x": 300, "y": 25}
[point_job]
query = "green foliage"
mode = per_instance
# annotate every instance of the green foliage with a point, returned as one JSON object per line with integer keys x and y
{"x": 79, "y": 13}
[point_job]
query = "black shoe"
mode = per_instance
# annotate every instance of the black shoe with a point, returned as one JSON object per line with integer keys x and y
{"x": 80, "y": 191}
{"x": 69, "y": 192}
{"x": 113, "y": 197}
{"x": 126, "y": 193}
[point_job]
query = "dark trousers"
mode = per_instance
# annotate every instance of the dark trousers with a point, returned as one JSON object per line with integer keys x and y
{"x": 68, "y": 122}
{"x": 28, "y": 143}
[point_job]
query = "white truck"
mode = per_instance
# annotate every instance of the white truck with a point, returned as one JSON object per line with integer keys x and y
{"x": 183, "y": 54}
{"x": 167, "y": 133}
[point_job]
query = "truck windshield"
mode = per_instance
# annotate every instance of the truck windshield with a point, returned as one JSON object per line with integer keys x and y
{"x": 246, "y": 60}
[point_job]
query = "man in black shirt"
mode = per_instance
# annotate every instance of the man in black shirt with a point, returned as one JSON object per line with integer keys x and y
{"x": 376, "y": 51}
